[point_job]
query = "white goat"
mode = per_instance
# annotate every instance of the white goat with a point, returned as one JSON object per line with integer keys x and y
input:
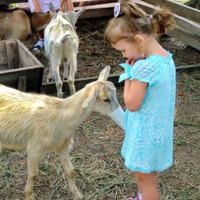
{"x": 61, "y": 46}
{"x": 40, "y": 124}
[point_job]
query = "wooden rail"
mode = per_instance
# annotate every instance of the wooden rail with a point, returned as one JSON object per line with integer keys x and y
{"x": 96, "y": 11}
{"x": 187, "y": 30}
{"x": 78, "y": 3}
{"x": 50, "y": 88}
{"x": 179, "y": 9}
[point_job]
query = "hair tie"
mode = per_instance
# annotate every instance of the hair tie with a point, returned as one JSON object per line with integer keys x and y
{"x": 151, "y": 16}
{"x": 117, "y": 10}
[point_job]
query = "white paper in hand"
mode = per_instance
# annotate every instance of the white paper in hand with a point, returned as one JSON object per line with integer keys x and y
{"x": 118, "y": 117}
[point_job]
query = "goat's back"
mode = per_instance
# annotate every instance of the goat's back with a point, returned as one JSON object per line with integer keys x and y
{"x": 28, "y": 119}
{"x": 60, "y": 37}
{"x": 14, "y": 24}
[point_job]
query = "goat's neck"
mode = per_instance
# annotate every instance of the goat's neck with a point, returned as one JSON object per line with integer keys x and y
{"x": 74, "y": 104}
{"x": 39, "y": 20}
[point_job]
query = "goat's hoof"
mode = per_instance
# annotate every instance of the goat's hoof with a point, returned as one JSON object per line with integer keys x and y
{"x": 79, "y": 197}
{"x": 29, "y": 197}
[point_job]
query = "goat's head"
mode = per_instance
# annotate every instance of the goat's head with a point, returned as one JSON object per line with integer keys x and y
{"x": 101, "y": 94}
{"x": 72, "y": 17}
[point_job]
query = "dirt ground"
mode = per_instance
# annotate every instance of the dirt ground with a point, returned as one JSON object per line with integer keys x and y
{"x": 99, "y": 170}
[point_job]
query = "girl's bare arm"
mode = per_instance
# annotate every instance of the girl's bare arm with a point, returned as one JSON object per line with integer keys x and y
{"x": 70, "y": 6}
{"x": 37, "y": 7}
{"x": 134, "y": 93}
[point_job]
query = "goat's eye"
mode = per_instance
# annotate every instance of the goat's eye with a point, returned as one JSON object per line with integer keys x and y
{"x": 106, "y": 100}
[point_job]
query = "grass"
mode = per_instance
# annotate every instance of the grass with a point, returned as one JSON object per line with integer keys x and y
{"x": 99, "y": 170}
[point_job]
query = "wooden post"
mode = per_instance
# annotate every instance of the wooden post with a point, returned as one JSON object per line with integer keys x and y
{"x": 22, "y": 83}
{"x": 12, "y": 54}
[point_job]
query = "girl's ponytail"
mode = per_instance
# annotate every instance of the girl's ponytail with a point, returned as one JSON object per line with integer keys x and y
{"x": 163, "y": 19}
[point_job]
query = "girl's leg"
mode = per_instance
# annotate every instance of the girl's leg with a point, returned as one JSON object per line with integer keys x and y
{"x": 147, "y": 184}
{"x": 40, "y": 42}
{"x": 41, "y": 34}
{"x": 138, "y": 183}
{"x": 139, "y": 197}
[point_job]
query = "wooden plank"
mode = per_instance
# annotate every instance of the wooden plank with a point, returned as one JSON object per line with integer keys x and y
{"x": 21, "y": 69}
{"x": 179, "y": 9}
{"x": 187, "y": 67}
{"x": 188, "y": 25}
{"x": 26, "y": 58}
{"x": 30, "y": 66}
{"x": 34, "y": 76}
{"x": 79, "y": 3}
{"x": 50, "y": 88}
{"x": 3, "y": 67}
{"x": 95, "y": 11}
{"x": 186, "y": 37}
{"x": 22, "y": 83}
{"x": 12, "y": 54}
{"x": 3, "y": 54}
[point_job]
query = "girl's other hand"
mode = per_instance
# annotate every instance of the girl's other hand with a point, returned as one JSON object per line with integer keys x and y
{"x": 130, "y": 61}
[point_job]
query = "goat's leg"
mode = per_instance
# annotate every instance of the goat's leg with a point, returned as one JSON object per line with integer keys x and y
{"x": 50, "y": 74}
{"x": 72, "y": 71}
{"x": 66, "y": 65}
{"x": 63, "y": 155}
{"x": 34, "y": 158}
{"x": 55, "y": 64}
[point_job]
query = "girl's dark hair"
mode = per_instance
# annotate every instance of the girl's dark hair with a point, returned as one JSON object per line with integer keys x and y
{"x": 134, "y": 20}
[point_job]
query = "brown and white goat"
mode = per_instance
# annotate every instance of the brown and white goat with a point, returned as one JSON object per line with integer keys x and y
{"x": 39, "y": 124}
{"x": 19, "y": 24}
{"x": 61, "y": 46}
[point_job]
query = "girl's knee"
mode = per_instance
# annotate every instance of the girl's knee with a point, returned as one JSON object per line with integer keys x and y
{"x": 146, "y": 179}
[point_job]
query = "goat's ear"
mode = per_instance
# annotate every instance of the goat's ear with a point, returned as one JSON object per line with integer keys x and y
{"x": 79, "y": 13}
{"x": 52, "y": 10}
{"x": 88, "y": 103}
{"x": 103, "y": 76}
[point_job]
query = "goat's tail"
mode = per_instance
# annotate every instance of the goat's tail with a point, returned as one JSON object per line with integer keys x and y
{"x": 69, "y": 36}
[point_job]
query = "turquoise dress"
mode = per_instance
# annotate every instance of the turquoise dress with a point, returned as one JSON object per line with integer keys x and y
{"x": 148, "y": 142}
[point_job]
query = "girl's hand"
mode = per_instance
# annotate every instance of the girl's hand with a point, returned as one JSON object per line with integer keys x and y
{"x": 131, "y": 61}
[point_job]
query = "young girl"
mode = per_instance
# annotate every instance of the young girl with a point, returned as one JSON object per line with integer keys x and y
{"x": 43, "y": 6}
{"x": 149, "y": 92}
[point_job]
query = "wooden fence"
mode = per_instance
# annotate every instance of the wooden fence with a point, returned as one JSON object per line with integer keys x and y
{"x": 187, "y": 18}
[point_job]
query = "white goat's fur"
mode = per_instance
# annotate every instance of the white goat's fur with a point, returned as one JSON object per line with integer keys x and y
{"x": 39, "y": 124}
{"x": 61, "y": 46}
